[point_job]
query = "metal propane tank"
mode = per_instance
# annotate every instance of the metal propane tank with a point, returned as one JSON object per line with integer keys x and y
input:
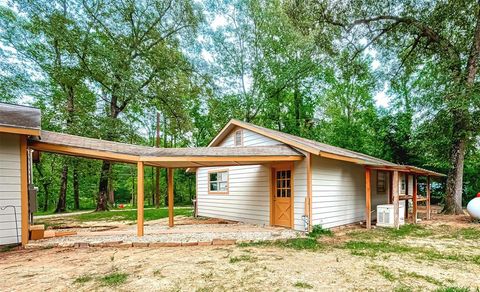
{"x": 473, "y": 207}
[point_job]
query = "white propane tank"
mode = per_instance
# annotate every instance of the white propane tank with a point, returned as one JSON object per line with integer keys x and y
{"x": 473, "y": 207}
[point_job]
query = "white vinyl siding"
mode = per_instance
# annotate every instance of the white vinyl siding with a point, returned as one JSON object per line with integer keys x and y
{"x": 249, "y": 139}
{"x": 338, "y": 192}
{"x": 300, "y": 193}
{"x": 10, "y": 188}
{"x": 248, "y": 199}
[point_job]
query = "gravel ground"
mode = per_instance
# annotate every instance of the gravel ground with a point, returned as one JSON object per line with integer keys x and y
{"x": 187, "y": 230}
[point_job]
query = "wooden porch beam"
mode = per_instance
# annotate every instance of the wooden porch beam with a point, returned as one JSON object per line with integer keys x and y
{"x": 396, "y": 215}
{"x": 368, "y": 198}
{"x": 140, "y": 198}
{"x": 170, "y": 196}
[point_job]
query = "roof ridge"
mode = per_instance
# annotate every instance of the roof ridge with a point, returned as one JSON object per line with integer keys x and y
{"x": 316, "y": 142}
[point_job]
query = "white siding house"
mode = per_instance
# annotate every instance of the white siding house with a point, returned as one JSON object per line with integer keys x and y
{"x": 327, "y": 188}
{"x": 10, "y": 189}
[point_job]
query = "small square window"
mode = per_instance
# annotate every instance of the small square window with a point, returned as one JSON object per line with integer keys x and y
{"x": 218, "y": 182}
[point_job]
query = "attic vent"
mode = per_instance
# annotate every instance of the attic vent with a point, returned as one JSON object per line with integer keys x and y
{"x": 238, "y": 138}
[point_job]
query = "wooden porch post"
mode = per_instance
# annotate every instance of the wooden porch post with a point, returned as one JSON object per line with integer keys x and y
{"x": 140, "y": 198}
{"x": 170, "y": 197}
{"x": 390, "y": 187}
{"x": 429, "y": 212}
{"x": 396, "y": 212}
{"x": 414, "y": 193}
{"x": 24, "y": 190}
{"x": 406, "y": 195}
{"x": 368, "y": 198}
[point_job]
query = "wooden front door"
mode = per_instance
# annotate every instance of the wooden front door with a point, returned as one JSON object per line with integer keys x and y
{"x": 282, "y": 197}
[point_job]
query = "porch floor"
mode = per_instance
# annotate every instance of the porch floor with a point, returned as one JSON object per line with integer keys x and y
{"x": 187, "y": 231}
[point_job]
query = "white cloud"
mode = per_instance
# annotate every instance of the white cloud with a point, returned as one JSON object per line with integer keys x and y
{"x": 218, "y": 21}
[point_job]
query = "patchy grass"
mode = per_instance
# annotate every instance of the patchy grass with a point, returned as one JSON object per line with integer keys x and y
{"x": 83, "y": 279}
{"x": 243, "y": 258}
{"x": 408, "y": 230}
{"x": 302, "y": 285}
{"x": 318, "y": 231}
{"x": 130, "y": 215}
{"x": 385, "y": 273}
{"x": 294, "y": 243}
{"x": 467, "y": 233}
{"x": 454, "y": 289}
{"x": 373, "y": 249}
{"x": 8, "y": 248}
{"x": 113, "y": 279}
{"x": 426, "y": 278}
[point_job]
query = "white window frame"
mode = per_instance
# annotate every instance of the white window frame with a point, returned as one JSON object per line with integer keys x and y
{"x": 221, "y": 179}
{"x": 235, "y": 138}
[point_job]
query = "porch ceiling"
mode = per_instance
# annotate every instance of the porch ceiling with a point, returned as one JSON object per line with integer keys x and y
{"x": 162, "y": 157}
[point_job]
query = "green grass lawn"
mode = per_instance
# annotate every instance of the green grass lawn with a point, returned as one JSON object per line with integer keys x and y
{"x": 130, "y": 215}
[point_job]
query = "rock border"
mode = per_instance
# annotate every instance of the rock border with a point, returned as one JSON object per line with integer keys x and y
{"x": 142, "y": 244}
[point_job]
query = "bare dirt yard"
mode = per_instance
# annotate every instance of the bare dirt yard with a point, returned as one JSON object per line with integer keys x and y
{"x": 438, "y": 255}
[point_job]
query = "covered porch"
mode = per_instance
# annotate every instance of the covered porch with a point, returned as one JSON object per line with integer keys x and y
{"x": 403, "y": 185}
{"x": 169, "y": 158}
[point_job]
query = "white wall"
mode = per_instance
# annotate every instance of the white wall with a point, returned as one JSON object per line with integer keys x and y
{"x": 10, "y": 190}
{"x": 338, "y": 192}
{"x": 299, "y": 193}
{"x": 248, "y": 199}
{"x": 249, "y": 139}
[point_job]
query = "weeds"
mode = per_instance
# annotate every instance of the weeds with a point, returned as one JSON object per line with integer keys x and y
{"x": 302, "y": 285}
{"x": 83, "y": 279}
{"x": 318, "y": 231}
{"x": 114, "y": 279}
{"x": 294, "y": 243}
{"x": 385, "y": 273}
{"x": 243, "y": 258}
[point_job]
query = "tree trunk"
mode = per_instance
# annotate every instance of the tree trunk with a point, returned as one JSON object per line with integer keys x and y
{"x": 453, "y": 201}
{"x": 76, "y": 188}
{"x": 102, "y": 199}
{"x": 45, "y": 187}
{"x": 62, "y": 197}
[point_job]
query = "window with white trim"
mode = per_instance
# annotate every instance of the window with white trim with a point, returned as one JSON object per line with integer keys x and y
{"x": 238, "y": 138}
{"x": 218, "y": 182}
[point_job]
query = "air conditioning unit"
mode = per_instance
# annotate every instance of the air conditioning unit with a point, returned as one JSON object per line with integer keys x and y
{"x": 385, "y": 214}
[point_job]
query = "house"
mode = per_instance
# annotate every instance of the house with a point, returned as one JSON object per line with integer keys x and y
{"x": 329, "y": 187}
{"x": 247, "y": 173}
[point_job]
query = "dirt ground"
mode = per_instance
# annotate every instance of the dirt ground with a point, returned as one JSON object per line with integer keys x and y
{"x": 453, "y": 260}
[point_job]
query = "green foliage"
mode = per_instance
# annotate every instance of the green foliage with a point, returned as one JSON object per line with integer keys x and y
{"x": 318, "y": 231}
{"x": 83, "y": 279}
{"x": 302, "y": 285}
{"x": 242, "y": 258}
{"x": 113, "y": 279}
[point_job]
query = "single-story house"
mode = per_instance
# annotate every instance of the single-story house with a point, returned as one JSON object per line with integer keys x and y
{"x": 330, "y": 187}
{"x": 247, "y": 173}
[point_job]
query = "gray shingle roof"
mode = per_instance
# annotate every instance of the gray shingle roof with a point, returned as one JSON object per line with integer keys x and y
{"x": 319, "y": 148}
{"x": 54, "y": 138}
{"x": 19, "y": 116}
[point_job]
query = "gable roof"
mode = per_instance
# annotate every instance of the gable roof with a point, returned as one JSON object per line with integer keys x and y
{"x": 18, "y": 119}
{"x": 317, "y": 148}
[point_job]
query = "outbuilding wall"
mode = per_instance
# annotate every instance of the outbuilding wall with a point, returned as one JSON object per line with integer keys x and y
{"x": 338, "y": 192}
{"x": 10, "y": 189}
